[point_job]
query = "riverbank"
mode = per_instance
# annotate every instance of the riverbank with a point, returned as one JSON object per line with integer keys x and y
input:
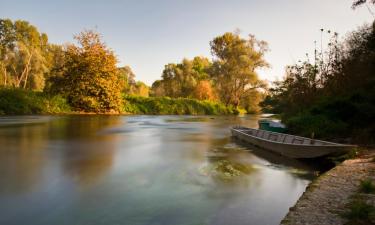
{"x": 333, "y": 197}
{"x": 24, "y": 102}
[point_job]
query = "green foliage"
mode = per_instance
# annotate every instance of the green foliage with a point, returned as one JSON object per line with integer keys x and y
{"x": 353, "y": 153}
{"x": 235, "y": 63}
{"x": 25, "y": 55}
{"x": 367, "y": 186}
{"x": 333, "y": 96}
{"x": 180, "y": 80}
{"x": 177, "y": 106}
{"x": 22, "y": 102}
{"x": 359, "y": 212}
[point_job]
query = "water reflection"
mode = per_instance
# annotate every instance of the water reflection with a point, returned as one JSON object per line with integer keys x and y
{"x": 141, "y": 170}
{"x": 22, "y": 156}
{"x": 88, "y": 155}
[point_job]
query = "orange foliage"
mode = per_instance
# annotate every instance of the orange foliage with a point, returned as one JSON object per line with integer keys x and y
{"x": 204, "y": 91}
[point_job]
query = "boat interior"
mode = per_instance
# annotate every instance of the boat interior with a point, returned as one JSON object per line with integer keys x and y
{"x": 282, "y": 138}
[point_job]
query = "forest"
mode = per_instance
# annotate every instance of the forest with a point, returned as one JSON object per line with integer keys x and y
{"x": 40, "y": 77}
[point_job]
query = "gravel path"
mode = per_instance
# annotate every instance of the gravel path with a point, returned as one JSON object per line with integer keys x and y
{"x": 326, "y": 197}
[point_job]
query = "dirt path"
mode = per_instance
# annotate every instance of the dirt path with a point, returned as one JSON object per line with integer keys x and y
{"x": 325, "y": 198}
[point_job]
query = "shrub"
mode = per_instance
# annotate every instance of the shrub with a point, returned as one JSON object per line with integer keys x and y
{"x": 367, "y": 186}
{"x": 177, "y": 106}
{"x": 359, "y": 212}
{"x": 15, "y": 101}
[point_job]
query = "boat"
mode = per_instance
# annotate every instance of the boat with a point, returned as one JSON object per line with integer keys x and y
{"x": 289, "y": 145}
{"x": 272, "y": 125}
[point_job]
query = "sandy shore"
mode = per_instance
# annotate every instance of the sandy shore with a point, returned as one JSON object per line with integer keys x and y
{"x": 327, "y": 197}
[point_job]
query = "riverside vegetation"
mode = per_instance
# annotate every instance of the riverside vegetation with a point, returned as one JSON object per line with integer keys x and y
{"x": 38, "y": 77}
{"x": 332, "y": 95}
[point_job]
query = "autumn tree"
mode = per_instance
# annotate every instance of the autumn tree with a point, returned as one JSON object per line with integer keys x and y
{"x": 204, "y": 91}
{"x": 181, "y": 79}
{"x": 157, "y": 89}
{"x": 127, "y": 78}
{"x": 235, "y": 65}
{"x": 140, "y": 89}
{"x": 90, "y": 79}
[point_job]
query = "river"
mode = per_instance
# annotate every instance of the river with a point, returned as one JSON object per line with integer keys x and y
{"x": 138, "y": 170}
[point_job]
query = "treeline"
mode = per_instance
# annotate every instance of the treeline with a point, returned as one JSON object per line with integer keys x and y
{"x": 230, "y": 77}
{"x": 332, "y": 95}
{"x": 86, "y": 75}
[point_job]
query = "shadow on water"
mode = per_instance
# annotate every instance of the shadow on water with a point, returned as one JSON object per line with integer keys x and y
{"x": 317, "y": 165}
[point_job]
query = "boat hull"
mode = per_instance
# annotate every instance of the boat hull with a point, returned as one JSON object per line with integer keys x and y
{"x": 292, "y": 150}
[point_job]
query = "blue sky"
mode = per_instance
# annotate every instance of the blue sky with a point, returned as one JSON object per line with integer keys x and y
{"x": 146, "y": 35}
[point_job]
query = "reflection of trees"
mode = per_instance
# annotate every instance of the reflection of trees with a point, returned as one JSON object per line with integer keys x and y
{"x": 87, "y": 155}
{"x": 21, "y": 155}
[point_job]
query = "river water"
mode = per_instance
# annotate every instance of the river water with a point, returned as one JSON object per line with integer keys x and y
{"x": 137, "y": 170}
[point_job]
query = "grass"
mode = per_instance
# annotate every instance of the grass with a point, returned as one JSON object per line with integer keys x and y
{"x": 367, "y": 186}
{"x": 359, "y": 212}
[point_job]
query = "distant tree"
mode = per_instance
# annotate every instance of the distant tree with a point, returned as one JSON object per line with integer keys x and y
{"x": 90, "y": 79}
{"x": 140, "y": 89}
{"x": 127, "y": 78}
{"x": 157, "y": 89}
{"x": 204, "y": 91}
{"x": 235, "y": 65}
{"x": 360, "y": 2}
{"x": 180, "y": 80}
{"x": 23, "y": 55}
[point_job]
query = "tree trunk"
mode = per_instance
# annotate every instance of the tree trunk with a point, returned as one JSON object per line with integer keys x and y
{"x": 25, "y": 72}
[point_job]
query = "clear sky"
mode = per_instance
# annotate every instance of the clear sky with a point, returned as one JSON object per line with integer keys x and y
{"x": 146, "y": 35}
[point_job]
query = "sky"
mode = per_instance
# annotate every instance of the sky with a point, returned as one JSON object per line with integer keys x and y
{"x": 148, "y": 34}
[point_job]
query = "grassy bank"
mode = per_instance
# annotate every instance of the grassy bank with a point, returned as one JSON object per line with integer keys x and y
{"x": 177, "y": 106}
{"x": 24, "y": 102}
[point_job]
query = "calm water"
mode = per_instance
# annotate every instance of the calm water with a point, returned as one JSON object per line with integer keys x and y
{"x": 156, "y": 170}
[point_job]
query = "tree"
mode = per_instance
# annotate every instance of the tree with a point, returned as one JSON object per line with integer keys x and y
{"x": 361, "y": 2}
{"x": 127, "y": 78}
{"x": 23, "y": 52}
{"x": 234, "y": 66}
{"x": 90, "y": 79}
{"x": 157, "y": 89}
{"x": 180, "y": 80}
{"x": 204, "y": 91}
{"x": 140, "y": 89}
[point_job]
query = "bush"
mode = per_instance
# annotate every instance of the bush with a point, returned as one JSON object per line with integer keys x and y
{"x": 367, "y": 186}
{"x": 305, "y": 124}
{"x": 22, "y": 102}
{"x": 359, "y": 212}
{"x": 177, "y": 106}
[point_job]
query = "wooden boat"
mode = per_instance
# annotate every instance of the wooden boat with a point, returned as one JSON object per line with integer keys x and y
{"x": 289, "y": 145}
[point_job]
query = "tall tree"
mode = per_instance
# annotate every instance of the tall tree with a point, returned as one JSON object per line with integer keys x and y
{"x": 90, "y": 80}
{"x": 235, "y": 65}
{"x": 22, "y": 55}
{"x": 180, "y": 80}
